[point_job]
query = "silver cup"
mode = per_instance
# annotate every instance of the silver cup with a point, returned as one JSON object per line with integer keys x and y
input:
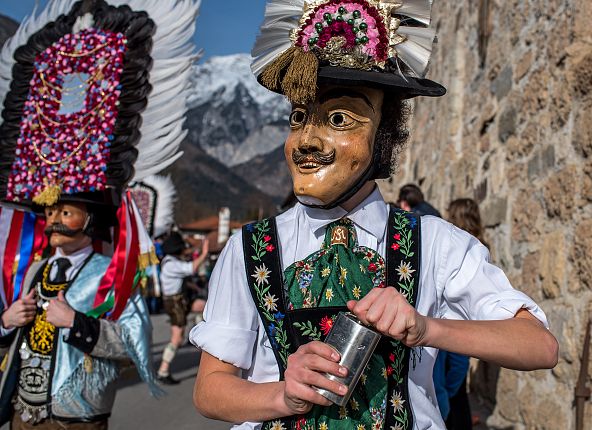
{"x": 356, "y": 343}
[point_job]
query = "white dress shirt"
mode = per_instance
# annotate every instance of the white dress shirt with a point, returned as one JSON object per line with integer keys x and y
{"x": 76, "y": 259}
{"x": 456, "y": 282}
{"x": 172, "y": 273}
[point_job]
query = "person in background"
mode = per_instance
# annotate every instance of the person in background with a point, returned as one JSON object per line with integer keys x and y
{"x": 411, "y": 199}
{"x": 173, "y": 270}
{"x": 464, "y": 213}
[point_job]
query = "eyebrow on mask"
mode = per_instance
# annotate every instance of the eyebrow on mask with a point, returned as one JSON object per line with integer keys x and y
{"x": 337, "y": 93}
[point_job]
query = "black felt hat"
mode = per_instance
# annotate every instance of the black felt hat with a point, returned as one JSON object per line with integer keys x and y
{"x": 174, "y": 244}
{"x": 377, "y": 43}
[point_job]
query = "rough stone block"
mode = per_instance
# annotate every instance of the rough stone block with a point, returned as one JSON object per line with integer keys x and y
{"x": 507, "y": 124}
{"x": 582, "y": 253}
{"x": 502, "y": 85}
{"x": 495, "y": 212}
{"x": 560, "y": 192}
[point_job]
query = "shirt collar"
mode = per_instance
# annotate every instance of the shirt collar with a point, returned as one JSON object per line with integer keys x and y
{"x": 370, "y": 215}
{"x": 77, "y": 258}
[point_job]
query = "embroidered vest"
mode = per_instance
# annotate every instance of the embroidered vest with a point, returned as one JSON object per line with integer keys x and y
{"x": 288, "y": 328}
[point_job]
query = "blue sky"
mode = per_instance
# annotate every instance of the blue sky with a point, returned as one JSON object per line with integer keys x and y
{"x": 223, "y": 27}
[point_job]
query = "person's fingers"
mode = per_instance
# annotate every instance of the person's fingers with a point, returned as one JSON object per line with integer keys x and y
{"x": 362, "y": 306}
{"x": 31, "y": 294}
{"x": 389, "y": 314}
{"x": 374, "y": 312}
{"x": 61, "y": 296}
{"x": 320, "y": 349}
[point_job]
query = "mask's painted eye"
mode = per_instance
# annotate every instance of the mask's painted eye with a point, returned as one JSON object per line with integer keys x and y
{"x": 297, "y": 118}
{"x": 340, "y": 120}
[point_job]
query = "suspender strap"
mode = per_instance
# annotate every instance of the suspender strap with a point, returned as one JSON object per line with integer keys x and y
{"x": 403, "y": 268}
{"x": 264, "y": 276}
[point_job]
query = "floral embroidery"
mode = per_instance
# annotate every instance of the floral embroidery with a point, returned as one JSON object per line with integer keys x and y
{"x": 354, "y": 404}
{"x": 326, "y": 325}
{"x": 269, "y": 302}
{"x": 397, "y": 402}
{"x": 405, "y": 271}
{"x": 260, "y": 244}
{"x": 329, "y": 294}
{"x": 343, "y": 414}
{"x": 323, "y": 426}
{"x": 356, "y": 292}
{"x": 266, "y": 302}
{"x": 261, "y": 275}
{"x": 342, "y": 276}
{"x": 326, "y": 272}
{"x": 277, "y": 425}
{"x": 360, "y": 427}
{"x": 308, "y": 329}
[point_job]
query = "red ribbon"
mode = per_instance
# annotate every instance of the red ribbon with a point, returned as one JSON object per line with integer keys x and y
{"x": 123, "y": 290}
{"x": 116, "y": 264}
{"x": 122, "y": 269}
{"x": 10, "y": 253}
{"x": 41, "y": 239}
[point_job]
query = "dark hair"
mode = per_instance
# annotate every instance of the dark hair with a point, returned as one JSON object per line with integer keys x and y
{"x": 464, "y": 213}
{"x": 412, "y": 194}
{"x": 392, "y": 134}
{"x": 174, "y": 244}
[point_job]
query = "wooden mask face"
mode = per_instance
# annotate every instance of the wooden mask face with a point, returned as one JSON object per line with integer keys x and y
{"x": 331, "y": 142}
{"x": 65, "y": 226}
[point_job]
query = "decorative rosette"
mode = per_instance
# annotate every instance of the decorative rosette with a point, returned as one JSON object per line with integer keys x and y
{"x": 298, "y": 37}
{"x": 349, "y": 34}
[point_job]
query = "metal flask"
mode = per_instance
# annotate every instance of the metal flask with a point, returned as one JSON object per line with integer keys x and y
{"x": 356, "y": 343}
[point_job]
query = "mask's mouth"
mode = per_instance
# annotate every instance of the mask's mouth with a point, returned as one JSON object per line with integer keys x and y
{"x": 61, "y": 229}
{"x": 312, "y": 161}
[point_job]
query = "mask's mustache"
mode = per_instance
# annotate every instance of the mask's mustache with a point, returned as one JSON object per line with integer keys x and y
{"x": 61, "y": 229}
{"x": 313, "y": 157}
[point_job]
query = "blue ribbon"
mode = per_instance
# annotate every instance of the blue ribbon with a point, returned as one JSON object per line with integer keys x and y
{"x": 26, "y": 249}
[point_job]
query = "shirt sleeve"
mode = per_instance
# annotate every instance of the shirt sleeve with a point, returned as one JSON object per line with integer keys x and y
{"x": 178, "y": 269}
{"x": 230, "y": 326}
{"x": 475, "y": 289}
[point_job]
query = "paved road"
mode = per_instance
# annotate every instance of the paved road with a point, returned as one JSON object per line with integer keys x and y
{"x": 135, "y": 408}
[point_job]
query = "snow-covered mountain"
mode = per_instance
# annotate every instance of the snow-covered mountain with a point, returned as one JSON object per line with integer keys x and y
{"x": 231, "y": 116}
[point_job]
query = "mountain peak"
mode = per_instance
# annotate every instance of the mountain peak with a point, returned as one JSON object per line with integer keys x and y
{"x": 215, "y": 83}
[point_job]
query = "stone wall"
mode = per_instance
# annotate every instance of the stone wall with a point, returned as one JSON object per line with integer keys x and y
{"x": 515, "y": 133}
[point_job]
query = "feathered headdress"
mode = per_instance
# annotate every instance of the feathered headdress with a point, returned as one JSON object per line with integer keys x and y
{"x": 93, "y": 95}
{"x": 155, "y": 197}
{"x": 384, "y": 42}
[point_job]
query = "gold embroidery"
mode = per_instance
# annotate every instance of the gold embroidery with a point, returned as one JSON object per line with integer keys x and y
{"x": 50, "y": 287}
{"x": 42, "y": 335}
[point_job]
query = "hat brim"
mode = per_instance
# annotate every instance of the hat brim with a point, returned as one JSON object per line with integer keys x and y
{"x": 408, "y": 87}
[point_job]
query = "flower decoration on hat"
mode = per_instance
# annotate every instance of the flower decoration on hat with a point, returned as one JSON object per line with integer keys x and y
{"x": 298, "y": 37}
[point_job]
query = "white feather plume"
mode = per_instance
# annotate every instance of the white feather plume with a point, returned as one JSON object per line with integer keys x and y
{"x": 166, "y": 196}
{"x": 416, "y": 50}
{"x": 173, "y": 54}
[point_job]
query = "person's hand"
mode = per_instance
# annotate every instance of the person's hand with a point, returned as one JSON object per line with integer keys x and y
{"x": 305, "y": 370}
{"x": 21, "y": 312}
{"x": 59, "y": 312}
{"x": 390, "y": 313}
{"x": 205, "y": 247}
